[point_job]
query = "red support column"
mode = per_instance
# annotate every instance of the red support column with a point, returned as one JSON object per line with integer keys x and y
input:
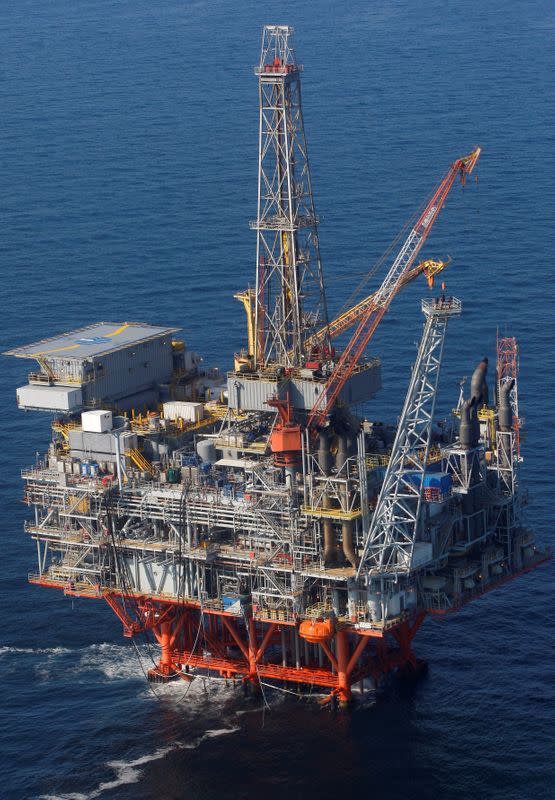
{"x": 265, "y": 641}
{"x": 343, "y": 683}
{"x": 165, "y": 669}
{"x": 253, "y": 647}
{"x": 404, "y": 634}
{"x": 165, "y": 638}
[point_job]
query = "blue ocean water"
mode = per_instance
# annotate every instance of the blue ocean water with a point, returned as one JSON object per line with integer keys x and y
{"x": 128, "y": 136}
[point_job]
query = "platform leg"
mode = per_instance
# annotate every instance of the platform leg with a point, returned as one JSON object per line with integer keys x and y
{"x": 343, "y": 684}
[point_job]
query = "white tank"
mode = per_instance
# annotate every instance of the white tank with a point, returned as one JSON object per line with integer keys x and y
{"x": 375, "y": 606}
{"x": 393, "y": 608}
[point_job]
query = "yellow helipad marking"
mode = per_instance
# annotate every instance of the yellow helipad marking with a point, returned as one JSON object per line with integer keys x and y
{"x": 119, "y": 330}
{"x": 74, "y": 346}
{"x": 57, "y": 350}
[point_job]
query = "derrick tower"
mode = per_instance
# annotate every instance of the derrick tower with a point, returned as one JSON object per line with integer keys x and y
{"x": 290, "y": 303}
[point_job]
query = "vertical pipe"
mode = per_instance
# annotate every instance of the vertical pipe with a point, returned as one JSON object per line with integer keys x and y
{"x": 341, "y": 455}
{"x": 118, "y": 460}
{"x": 329, "y": 538}
{"x": 44, "y": 554}
{"x": 164, "y": 637}
{"x": 348, "y": 550}
{"x": 253, "y": 673}
{"x": 324, "y": 462}
{"x": 283, "y": 649}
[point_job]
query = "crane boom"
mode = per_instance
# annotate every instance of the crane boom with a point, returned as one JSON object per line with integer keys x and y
{"x": 350, "y": 317}
{"x": 387, "y": 291}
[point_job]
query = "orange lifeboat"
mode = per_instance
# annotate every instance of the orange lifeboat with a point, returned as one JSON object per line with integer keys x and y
{"x": 316, "y": 631}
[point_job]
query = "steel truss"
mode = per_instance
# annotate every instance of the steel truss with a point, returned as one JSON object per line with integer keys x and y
{"x": 290, "y": 298}
{"x": 199, "y": 640}
{"x": 390, "y": 541}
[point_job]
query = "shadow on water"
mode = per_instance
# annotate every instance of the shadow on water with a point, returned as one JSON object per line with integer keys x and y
{"x": 298, "y": 750}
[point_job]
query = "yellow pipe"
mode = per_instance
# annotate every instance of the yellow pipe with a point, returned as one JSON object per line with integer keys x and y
{"x": 247, "y": 299}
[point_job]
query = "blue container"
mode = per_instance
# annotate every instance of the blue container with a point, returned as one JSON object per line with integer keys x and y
{"x": 93, "y": 468}
{"x": 414, "y": 478}
{"x": 438, "y": 480}
{"x": 84, "y": 469}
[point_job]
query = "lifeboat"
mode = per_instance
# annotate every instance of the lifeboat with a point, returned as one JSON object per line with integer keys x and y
{"x": 316, "y": 631}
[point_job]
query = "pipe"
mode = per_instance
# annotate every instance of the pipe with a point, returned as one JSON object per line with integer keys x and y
{"x": 505, "y": 411}
{"x": 478, "y": 385}
{"x": 324, "y": 454}
{"x": 330, "y": 551}
{"x": 348, "y": 550}
{"x": 291, "y": 479}
{"x": 341, "y": 455}
{"x": 469, "y": 428}
{"x": 324, "y": 462}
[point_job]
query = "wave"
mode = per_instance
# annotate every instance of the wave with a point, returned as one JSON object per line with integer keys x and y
{"x": 16, "y": 651}
{"x": 115, "y": 661}
{"x": 112, "y": 661}
{"x": 201, "y": 688}
{"x": 126, "y": 772}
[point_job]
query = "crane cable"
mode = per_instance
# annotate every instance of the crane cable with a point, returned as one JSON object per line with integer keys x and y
{"x": 351, "y": 299}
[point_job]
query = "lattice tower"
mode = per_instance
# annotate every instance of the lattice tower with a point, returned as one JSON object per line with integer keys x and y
{"x": 390, "y": 541}
{"x": 290, "y": 297}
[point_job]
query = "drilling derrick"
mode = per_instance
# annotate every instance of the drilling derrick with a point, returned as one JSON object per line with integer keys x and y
{"x": 289, "y": 357}
{"x": 290, "y": 298}
{"x": 253, "y": 524}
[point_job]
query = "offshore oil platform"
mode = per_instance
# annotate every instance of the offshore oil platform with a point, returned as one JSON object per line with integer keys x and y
{"x": 252, "y": 522}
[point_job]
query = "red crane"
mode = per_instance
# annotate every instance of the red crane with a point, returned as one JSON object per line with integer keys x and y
{"x": 387, "y": 291}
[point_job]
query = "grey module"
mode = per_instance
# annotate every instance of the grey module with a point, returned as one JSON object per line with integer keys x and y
{"x": 108, "y": 361}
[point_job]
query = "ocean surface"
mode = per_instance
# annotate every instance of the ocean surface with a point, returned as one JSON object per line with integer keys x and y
{"x": 128, "y": 141}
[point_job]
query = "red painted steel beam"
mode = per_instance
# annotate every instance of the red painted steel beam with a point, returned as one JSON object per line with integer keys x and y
{"x": 265, "y": 641}
{"x": 236, "y": 638}
{"x": 330, "y": 655}
{"x": 361, "y": 644}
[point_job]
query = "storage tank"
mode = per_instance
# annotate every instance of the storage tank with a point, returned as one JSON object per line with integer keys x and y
{"x": 375, "y": 606}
